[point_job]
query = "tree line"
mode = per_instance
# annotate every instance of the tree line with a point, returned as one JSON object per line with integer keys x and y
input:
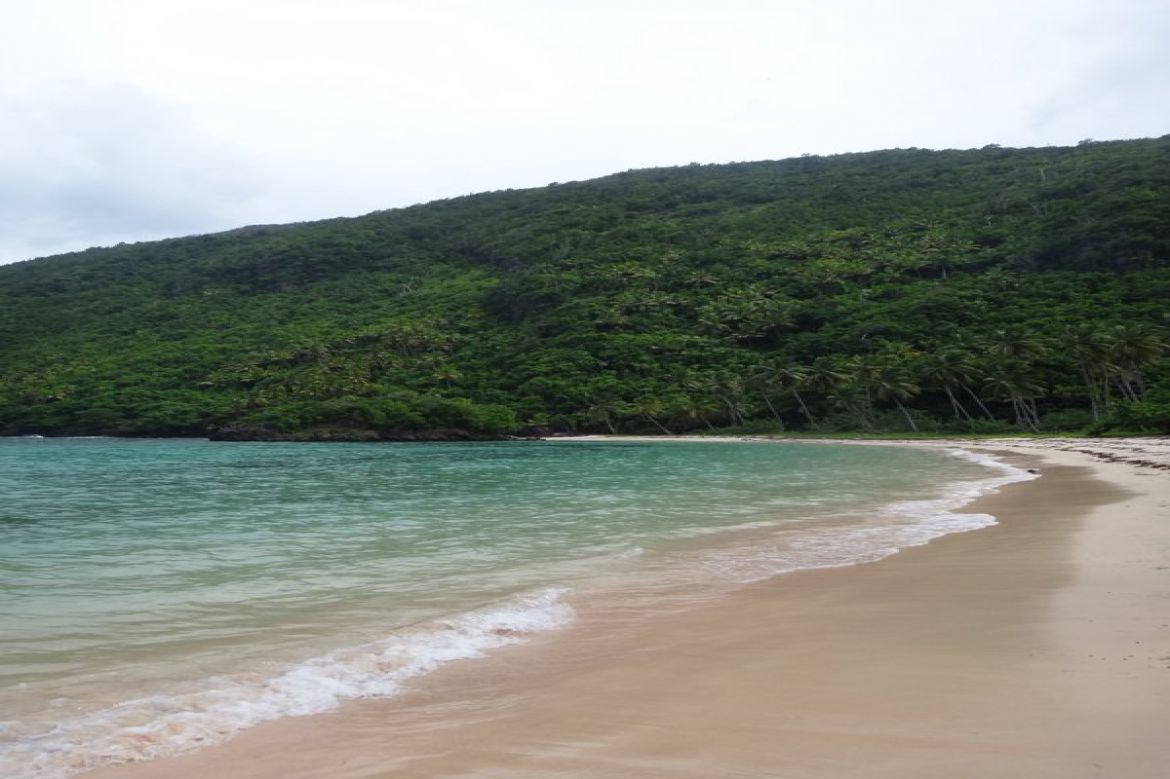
{"x": 985, "y": 290}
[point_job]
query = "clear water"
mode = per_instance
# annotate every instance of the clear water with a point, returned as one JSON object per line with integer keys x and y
{"x": 160, "y": 595}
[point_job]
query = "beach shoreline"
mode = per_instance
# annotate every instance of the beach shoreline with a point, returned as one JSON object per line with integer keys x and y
{"x": 1037, "y": 647}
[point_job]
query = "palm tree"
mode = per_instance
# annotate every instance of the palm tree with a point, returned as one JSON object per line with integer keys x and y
{"x": 892, "y": 383}
{"x": 700, "y": 385}
{"x": 1013, "y": 384}
{"x": 1092, "y": 350}
{"x": 851, "y": 399}
{"x": 862, "y": 373}
{"x": 604, "y": 411}
{"x": 898, "y": 352}
{"x": 823, "y": 376}
{"x": 1014, "y": 345}
{"x": 730, "y": 390}
{"x": 782, "y": 376}
{"x": 725, "y": 388}
{"x": 698, "y": 409}
{"x": 952, "y": 369}
{"x": 1132, "y": 346}
{"x": 445, "y": 373}
{"x": 651, "y": 408}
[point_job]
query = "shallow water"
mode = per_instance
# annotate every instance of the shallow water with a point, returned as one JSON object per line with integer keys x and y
{"x": 160, "y": 595}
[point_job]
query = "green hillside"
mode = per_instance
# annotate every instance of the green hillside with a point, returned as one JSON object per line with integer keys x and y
{"x": 980, "y": 290}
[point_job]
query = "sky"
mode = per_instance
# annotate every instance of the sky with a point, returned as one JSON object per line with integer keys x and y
{"x": 131, "y": 120}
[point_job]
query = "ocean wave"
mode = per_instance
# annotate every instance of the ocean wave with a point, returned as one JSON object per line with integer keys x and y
{"x": 884, "y": 531}
{"x": 212, "y": 710}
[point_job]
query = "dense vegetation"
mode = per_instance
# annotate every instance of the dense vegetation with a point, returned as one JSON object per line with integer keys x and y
{"x": 985, "y": 290}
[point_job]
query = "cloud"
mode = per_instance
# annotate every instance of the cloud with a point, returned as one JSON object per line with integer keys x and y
{"x": 137, "y": 119}
{"x": 84, "y": 164}
{"x": 1118, "y": 77}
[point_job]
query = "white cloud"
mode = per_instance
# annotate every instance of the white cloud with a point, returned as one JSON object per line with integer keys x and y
{"x": 82, "y": 164}
{"x": 280, "y": 110}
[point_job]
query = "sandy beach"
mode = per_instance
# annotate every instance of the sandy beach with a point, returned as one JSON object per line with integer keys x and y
{"x": 1039, "y": 647}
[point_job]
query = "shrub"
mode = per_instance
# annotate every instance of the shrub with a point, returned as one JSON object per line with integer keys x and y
{"x": 1066, "y": 420}
{"x": 979, "y": 427}
{"x": 1150, "y": 416}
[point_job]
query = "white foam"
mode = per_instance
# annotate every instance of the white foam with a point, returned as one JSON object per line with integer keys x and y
{"x": 214, "y": 709}
{"x": 887, "y": 530}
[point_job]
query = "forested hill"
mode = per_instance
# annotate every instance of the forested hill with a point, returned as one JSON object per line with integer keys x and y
{"x": 982, "y": 290}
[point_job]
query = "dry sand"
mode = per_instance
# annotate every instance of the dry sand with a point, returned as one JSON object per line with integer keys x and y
{"x": 1036, "y": 648}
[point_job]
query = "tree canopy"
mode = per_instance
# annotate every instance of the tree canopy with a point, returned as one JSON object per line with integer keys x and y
{"x": 977, "y": 290}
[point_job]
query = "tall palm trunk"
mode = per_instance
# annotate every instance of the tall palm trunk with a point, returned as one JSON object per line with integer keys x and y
{"x": 732, "y": 411}
{"x": 906, "y": 414}
{"x": 803, "y": 407}
{"x": 771, "y": 408}
{"x": 1091, "y": 389}
{"x": 957, "y": 408}
{"x": 982, "y": 406}
{"x": 1025, "y": 415}
{"x": 658, "y": 424}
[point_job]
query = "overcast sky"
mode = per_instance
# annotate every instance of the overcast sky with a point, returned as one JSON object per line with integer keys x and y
{"x": 128, "y": 120}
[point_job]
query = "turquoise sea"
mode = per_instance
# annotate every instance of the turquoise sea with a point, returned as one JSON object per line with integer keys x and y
{"x": 161, "y": 595}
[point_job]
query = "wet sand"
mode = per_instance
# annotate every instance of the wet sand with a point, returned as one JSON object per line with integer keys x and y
{"x": 1036, "y": 648}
